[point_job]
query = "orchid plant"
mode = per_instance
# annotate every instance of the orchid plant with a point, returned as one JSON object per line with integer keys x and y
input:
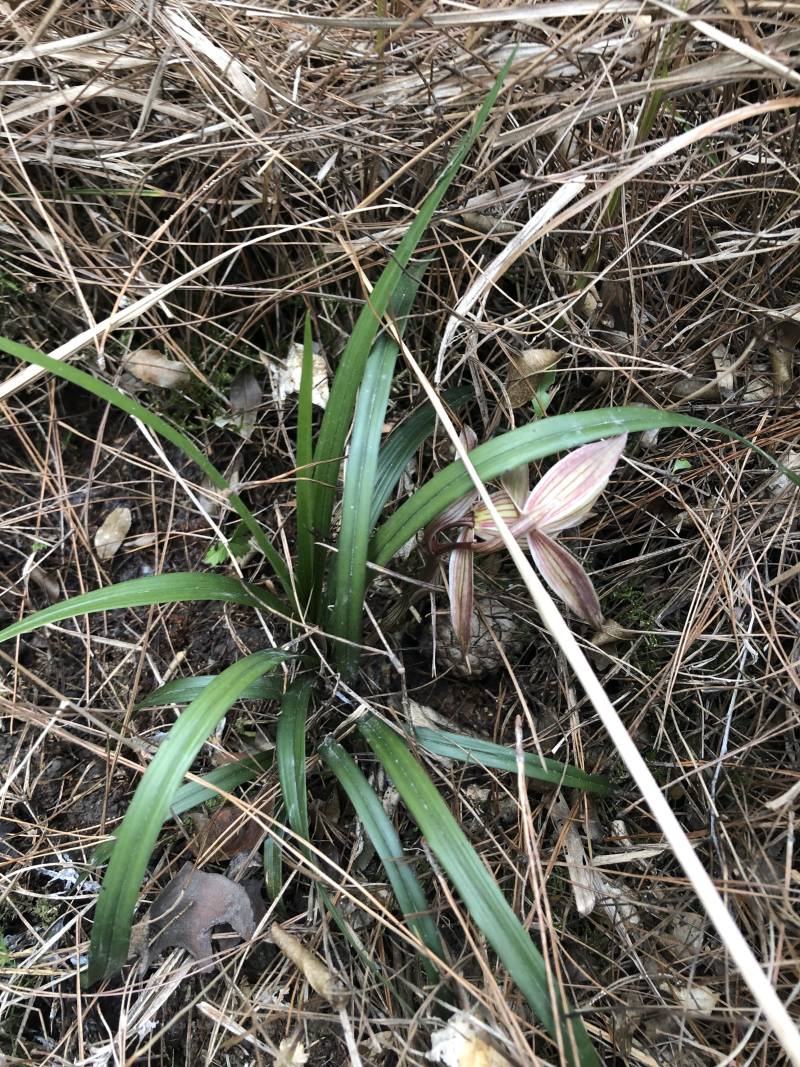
{"x": 560, "y": 500}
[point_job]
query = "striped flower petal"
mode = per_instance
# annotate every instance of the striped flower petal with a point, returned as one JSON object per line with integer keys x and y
{"x": 482, "y": 521}
{"x": 461, "y": 588}
{"x": 489, "y": 539}
{"x": 566, "y": 577}
{"x": 458, "y": 510}
{"x": 451, "y": 516}
{"x": 567, "y": 493}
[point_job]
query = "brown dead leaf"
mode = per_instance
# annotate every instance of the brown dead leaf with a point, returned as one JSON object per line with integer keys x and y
{"x": 112, "y": 533}
{"x": 150, "y": 367}
{"x": 698, "y": 998}
{"x": 780, "y": 483}
{"x": 245, "y": 400}
{"x": 723, "y": 364}
{"x": 227, "y": 833}
{"x": 253, "y": 887}
{"x": 783, "y": 352}
{"x": 289, "y": 375}
{"x": 580, "y": 873}
{"x": 291, "y": 1053}
{"x": 524, "y": 370}
{"x": 463, "y": 1043}
{"x": 759, "y": 390}
{"x": 45, "y": 582}
{"x": 189, "y": 908}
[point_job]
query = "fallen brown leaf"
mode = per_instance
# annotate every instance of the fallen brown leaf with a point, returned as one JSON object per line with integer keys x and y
{"x": 112, "y": 533}
{"x": 150, "y": 367}
{"x": 189, "y": 908}
{"x": 524, "y": 373}
{"x": 245, "y": 400}
{"x": 227, "y": 833}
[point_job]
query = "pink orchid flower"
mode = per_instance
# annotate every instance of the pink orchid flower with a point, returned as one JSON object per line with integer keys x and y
{"x": 561, "y": 499}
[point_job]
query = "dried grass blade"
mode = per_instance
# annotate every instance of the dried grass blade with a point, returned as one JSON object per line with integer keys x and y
{"x": 731, "y": 936}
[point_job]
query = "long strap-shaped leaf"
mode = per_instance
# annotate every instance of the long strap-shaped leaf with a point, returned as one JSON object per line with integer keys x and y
{"x": 541, "y": 438}
{"x": 487, "y": 906}
{"x": 142, "y": 592}
{"x": 224, "y": 778}
{"x": 290, "y": 755}
{"x": 182, "y": 690}
{"x": 399, "y": 447}
{"x": 386, "y": 842}
{"x": 474, "y": 750}
{"x": 290, "y": 758}
{"x": 339, "y": 410}
{"x": 150, "y": 806}
{"x": 350, "y": 573}
{"x": 131, "y": 407}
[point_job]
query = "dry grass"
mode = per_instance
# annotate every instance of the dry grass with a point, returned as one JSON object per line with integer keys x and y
{"x": 142, "y": 142}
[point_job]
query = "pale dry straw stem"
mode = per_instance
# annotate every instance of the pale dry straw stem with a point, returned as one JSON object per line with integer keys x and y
{"x": 525, "y": 13}
{"x": 740, "y": 952}
{"x": 664, "y": 151}
{"x": 546, "y": 221}
{"x": 55, "y": 235}
{"x": 490, "y": 275}
{"x": 138, "y": 307}
{"x": 123, "y": 315}
{"x": 63, "y": 45}
{"x": 733, "y": 43}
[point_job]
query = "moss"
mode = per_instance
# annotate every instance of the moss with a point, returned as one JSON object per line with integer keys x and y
{"x": 6, "y": 957}
{"x": 45, "y": 911}
{"x": 630, "y": 609}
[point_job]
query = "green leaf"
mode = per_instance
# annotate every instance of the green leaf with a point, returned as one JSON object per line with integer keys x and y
{"x": 543, "y": 393}
{"x": 273, "y": 859}
{"x": 350, "y": 581}
{"x": 131, "y": 407}
{"x": 227, "y": 778}
{"x": 142, "y": 592}
{"x": 384, "y": 837}
{"x": 182, "y": 690}
{"x": 486, "y": 904}
{"x": 401, "y": 444}
{"x": 150, "y": 806}
{"x": 191, "y": 794}
{"x": 339, "y": 411}
{"x": 557, "y": 433}
{"x": 305, "y": 489}
{"x": 290, "y": 755}
{"x": 473, "y": 750}
{"x": 237, "y": 547}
